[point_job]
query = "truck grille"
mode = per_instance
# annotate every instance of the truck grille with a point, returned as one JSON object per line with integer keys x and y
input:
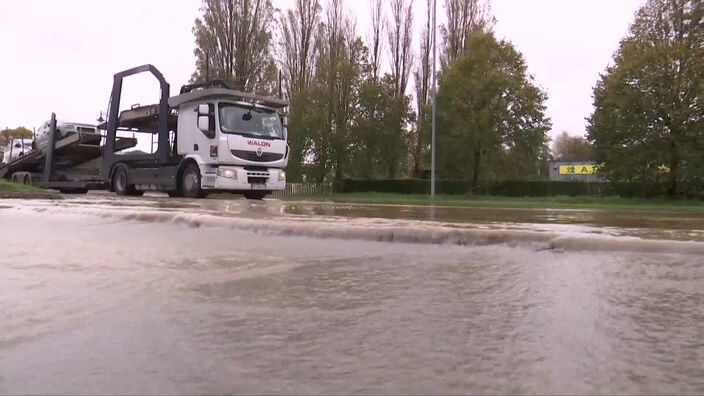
{"x": 252, "y": 156}
{"x": 257, "y": 180}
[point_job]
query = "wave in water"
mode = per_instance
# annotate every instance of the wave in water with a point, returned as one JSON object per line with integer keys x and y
{"x": 405, "y": 231}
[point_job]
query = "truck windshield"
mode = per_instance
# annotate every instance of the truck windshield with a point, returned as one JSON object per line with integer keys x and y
{"x": 249, "y": 121}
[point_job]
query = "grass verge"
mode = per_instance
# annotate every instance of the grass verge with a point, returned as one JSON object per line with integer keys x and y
{"x": 558, "y": 202}
{"x": 17, "y": 190}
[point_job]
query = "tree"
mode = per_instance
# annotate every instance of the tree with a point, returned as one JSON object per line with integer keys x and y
{"x": 381, "y": 146}
{"x": 400, "y": 39}
{"x": 298, "y": 53}
{"x": 233, "y": 43}
{"x": 329, "y": 106}
{"x": 464, "y": 18}
{"x": 491, "y": 121}
{"x": 648, "y": 118}
{"x": 572, "y": 147}
{"x": 420, "y": 140}
{"x": 375, "y": 44}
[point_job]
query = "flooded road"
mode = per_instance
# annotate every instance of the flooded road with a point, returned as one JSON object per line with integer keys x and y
{"x": 152, "y": 295}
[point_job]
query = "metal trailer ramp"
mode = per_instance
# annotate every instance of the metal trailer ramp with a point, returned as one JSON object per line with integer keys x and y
{"x": 27, "y": 162}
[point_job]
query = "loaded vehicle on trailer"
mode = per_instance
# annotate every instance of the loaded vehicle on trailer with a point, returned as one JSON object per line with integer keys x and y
{"x": 210, "y": 138}
{"x": 15, "y": 149}
{"x": 56, "y": 159}
{"x": 88, "y": 134}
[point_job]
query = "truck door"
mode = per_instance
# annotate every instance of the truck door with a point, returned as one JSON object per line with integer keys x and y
{"x": 205, "y": 142}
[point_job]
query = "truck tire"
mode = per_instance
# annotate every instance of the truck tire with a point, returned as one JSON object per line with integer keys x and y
{"x": 190, "y": 182}
{"x": 258, "y": 195}
{"x": 119, "y": 183}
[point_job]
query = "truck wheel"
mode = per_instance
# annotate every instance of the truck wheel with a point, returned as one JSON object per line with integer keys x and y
{"x": 259, "y": 195}
{"x": 119, "y": 183}
{"x": 190, "y": 182}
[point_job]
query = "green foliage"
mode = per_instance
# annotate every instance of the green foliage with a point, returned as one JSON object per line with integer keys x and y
{"x": 572, "y": 148}
{"x": 380, "y": 147}
{"x": 403, "y": 186}
{"x": 347, "y": 122}
{"x": 233, "y": 44}
{"x": 491, "y": 121}
{"x": 510, "y": 188}
{"x": 464, "y": 18}
{"x": 6, "y": 135}
{"x": 8, "y": 186}
{"x": 648, "y": 119}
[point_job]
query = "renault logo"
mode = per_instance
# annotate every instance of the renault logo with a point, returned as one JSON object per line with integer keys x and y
{"x": 259, "y": 152}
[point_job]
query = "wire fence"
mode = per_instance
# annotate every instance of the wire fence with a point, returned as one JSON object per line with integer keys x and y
{"x": 303, "y": 189}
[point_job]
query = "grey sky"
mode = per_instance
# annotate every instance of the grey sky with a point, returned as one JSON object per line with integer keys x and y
{"x": 60, "y": 55}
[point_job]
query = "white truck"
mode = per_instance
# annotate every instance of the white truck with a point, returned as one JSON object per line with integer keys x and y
{"x": 210, "y": 138}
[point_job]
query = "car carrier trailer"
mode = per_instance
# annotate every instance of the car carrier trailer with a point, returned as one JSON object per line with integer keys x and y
{"x": 58, "y": 164}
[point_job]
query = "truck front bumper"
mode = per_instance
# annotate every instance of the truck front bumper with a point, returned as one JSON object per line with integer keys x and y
{"x": 236, "y": 178}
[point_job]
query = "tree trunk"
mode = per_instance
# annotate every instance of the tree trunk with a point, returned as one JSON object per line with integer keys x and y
{"x": 338, "y": 166}
{"x": 475, "y": 169}
{"x": 674, "y": 164}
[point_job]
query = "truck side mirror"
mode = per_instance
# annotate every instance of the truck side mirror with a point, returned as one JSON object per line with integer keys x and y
{"x": 204, "y": 123}
{"x": 206, "y": 119}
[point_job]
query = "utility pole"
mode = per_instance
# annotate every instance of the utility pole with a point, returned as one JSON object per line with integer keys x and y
{"x": 432, "y": 139}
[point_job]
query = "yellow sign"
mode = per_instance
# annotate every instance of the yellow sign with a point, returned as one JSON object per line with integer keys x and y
{"x": 577, "y": 169}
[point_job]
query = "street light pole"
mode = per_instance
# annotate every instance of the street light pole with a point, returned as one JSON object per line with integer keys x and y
{"x": 432, "y": 139}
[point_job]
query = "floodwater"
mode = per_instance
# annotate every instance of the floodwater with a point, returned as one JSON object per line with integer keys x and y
{"x": 152, "y": 296}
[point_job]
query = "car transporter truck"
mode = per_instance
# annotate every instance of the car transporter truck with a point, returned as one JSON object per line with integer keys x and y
{"x": 209, "y": 138}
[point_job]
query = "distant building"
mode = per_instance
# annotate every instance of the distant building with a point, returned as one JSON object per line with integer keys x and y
{"x": 574, "y": 170}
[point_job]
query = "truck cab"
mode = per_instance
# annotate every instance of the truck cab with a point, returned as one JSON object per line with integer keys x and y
{"x": 238, "y": 145}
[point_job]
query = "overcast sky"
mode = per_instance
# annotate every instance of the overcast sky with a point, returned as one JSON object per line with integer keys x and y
{"x": 60, "y": 56}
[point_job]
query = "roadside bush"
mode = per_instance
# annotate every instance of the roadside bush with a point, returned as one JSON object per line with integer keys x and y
{"x": 515, "y": 188}
{"x": 403, "y": 186}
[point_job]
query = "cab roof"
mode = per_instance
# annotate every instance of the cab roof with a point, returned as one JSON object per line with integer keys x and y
{"x": 205, "y": 93}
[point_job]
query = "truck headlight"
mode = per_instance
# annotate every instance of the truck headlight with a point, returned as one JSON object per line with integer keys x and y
{"x": 228, "y": 173}
{"x": 282, "y": 176}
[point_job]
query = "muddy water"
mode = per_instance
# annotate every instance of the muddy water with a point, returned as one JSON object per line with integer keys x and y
{"x": 150, "y": 295}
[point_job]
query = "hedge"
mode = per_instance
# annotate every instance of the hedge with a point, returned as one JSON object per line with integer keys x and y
{"x": 511, "y": 188}
{"x": 404, "y": 186}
